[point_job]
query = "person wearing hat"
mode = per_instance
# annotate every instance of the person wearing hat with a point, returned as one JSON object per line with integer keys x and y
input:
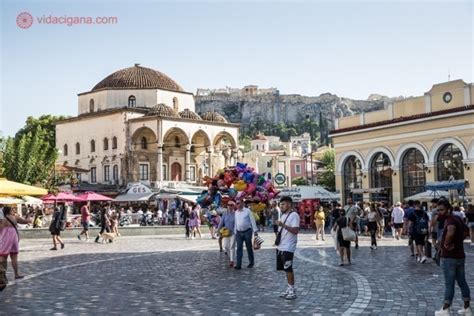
{"x": 225, "y": 230}
{"x": 397, "y": 219}
{"x": 286, "y": 246}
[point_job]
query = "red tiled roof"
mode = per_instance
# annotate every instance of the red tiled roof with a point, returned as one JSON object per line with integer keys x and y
{"x": 402, "y": 119}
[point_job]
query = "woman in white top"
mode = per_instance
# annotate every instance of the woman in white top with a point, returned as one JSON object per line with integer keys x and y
{"x": 373, "y": 218}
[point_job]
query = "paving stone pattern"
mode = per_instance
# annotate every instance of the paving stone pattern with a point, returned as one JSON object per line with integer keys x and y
{"x": 169, "y": 275}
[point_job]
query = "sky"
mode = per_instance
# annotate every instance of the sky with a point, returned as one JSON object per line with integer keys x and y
{"x": 349, "y": 48}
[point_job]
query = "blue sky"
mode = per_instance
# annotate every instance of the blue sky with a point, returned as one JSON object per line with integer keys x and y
{"x": 349, "y": 48}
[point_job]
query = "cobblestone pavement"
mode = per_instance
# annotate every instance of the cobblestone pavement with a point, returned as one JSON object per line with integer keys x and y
{"x": 168, "y": 275}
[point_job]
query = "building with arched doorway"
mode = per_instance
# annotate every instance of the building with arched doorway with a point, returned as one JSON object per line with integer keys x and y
{"x": 391, "y": 154}
{"x": 139, "y": 125}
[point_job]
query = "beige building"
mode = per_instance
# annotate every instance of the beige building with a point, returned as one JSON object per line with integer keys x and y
{"x": 391, "y": 154}
{"x": 139, "y": 125}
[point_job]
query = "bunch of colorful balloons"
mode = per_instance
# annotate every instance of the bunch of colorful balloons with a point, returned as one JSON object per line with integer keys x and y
{"x": 238, "y": 183}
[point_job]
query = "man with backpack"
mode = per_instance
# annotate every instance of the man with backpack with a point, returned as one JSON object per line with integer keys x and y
{"x": 419, "y": 230}
{"x": 453, "y": 258}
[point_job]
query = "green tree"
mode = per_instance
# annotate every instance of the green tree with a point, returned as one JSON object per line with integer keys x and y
{"x": 3, "y": 143}
{"x": 245, "y": 141}
{"x": 299, "y": 181}
{"x": 30, "y": 156}
{"x": 327, "y": 179}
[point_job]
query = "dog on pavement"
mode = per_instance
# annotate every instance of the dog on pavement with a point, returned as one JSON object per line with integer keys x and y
{"x": 108, "y": 236}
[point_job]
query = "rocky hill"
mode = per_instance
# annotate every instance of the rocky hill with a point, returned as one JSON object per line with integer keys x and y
{"x": 274, "y": 108}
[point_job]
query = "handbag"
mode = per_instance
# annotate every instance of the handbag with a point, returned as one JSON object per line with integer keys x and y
{"x": 257, "y": 242}
{"x": 224, "y": 232}
{"x": 347, "y": 233}
{"x": 278, "y": 236}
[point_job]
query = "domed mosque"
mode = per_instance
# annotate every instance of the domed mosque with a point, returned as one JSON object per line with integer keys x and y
{"x": 139, "y": 125}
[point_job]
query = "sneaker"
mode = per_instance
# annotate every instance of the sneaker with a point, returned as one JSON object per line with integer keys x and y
{"x": 465, "y": 311}
{"x": 79, "y": 237}
{"x": 375, "y": 247}
{"x": 372, "y": 247}
{"x": 284, "y": 294}
{"x": 62, "y": 246}
{"x": 54, "y": 248}
{"x": 423, "y": 259}
{"x": 443, "y": 312}
{"x": 291, "y": 295}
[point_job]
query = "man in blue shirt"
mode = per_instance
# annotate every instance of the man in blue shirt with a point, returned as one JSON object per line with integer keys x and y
{"x": 244, "y": 227}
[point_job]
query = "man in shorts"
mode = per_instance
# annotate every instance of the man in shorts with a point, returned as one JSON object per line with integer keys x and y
{"x": 85, "y": 220}
{"x": 289, "y": 228}
{"x": 397, "y": 220}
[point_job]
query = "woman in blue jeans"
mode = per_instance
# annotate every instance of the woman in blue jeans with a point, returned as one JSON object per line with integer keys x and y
{"x": 453, "y": 260}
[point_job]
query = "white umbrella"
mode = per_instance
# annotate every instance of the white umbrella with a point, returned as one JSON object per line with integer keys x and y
{"x": 31, "y": 200}
{"x": 427, "y": 196}
{"x": 8, "y": 200}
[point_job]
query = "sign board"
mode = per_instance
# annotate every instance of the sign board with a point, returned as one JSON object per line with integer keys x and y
{"x": 138, "y": 189}
{"x": 300, "y": 193}
{"x": 280, "y": 178}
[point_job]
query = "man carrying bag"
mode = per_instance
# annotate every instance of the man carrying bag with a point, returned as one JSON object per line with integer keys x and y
{"x": 286, "y": 240}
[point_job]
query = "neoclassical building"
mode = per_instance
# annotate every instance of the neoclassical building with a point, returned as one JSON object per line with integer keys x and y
{"x": 139, "y": 125}
{"x": 390, "y": 154}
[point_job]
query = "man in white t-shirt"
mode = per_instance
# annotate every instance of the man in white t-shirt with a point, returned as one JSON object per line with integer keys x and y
{"x": 397, "y": 219}
{"x": 289, "y": 227}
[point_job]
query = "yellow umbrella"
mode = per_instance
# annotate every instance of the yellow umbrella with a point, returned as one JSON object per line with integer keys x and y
{"x": 14, "y": 188}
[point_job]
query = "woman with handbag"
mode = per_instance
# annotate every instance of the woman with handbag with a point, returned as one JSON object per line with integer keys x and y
{"x": 9, "y": 243}
{"x": 344, "y": 245}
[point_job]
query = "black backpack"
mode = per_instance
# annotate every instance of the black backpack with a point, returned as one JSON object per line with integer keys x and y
{"x": 421, "y": 225}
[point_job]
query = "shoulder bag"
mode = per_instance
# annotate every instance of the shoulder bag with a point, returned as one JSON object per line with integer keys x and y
{"x": 278, "y": 236}
{"x": 347, "y": 233}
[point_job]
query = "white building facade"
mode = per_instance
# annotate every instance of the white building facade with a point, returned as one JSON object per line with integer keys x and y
{"x": 138, "y": 125}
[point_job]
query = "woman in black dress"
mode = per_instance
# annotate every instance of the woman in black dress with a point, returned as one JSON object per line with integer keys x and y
{"x": 344, "y": 245}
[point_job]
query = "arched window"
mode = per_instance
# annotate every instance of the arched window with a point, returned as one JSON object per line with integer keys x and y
{"x": 78, "y": 149}
{"x": 413, "y": 172}
{"x": 65, "y": 150}
{"x": 175, "y": 104}
{"x": 176, "y": 141}
{"x": 352, "y": 178}
{"x": 381, "y": 177}
{"x": 91, "y": 105}
{"x": 449, "y": 163}
{"x": 132, "y": 101}
{"x": 114, "y": 142}
{"x": 92, "y": 146}
{"x": 115, "y": 174}
{"x": 144, "y": 143}
{"x": 106, "y": 143}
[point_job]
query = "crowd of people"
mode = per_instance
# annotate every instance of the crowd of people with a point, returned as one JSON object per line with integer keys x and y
{"x": 436, "y": 230}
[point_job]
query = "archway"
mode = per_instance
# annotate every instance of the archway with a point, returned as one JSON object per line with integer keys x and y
{"x": 176, "y": 171}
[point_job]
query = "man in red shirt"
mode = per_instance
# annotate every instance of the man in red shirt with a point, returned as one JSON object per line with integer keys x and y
{"x": 453, "y": 259}
{"x": 85, "y": 219}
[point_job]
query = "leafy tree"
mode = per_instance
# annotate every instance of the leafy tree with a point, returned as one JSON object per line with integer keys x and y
{"x": 299, "y": 181}
{"x": 327, "y": 179}
{"x": 245, "y": 141}
{"x": 3, "y": 143}
{"x": 30, "y": 156}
